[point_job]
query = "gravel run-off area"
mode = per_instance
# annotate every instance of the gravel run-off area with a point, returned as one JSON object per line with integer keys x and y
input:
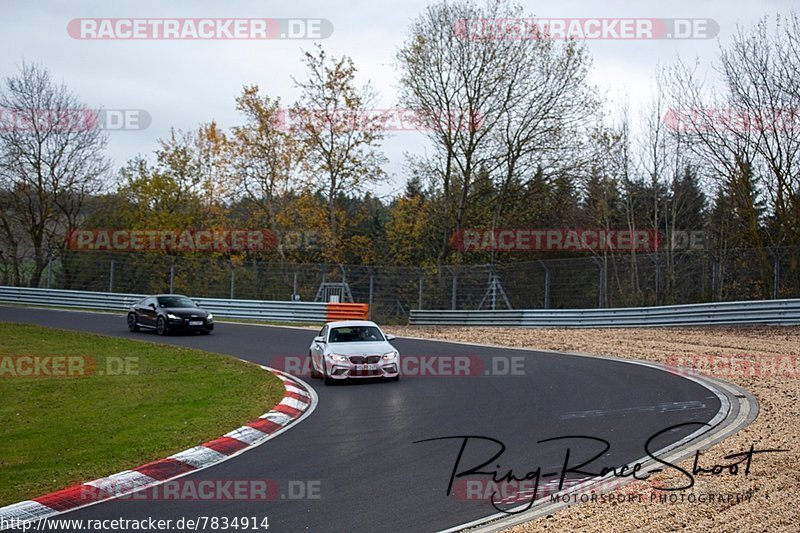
{"x": 763, "y": 360}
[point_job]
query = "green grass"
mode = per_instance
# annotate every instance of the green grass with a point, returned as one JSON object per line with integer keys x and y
{"x": 58, "y": 431}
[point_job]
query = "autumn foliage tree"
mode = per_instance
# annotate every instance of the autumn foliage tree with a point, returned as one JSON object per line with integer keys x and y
{"x": 263, "y": 156}
{"x": 338, "y": 134}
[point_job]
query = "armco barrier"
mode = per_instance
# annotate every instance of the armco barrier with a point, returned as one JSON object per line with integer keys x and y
{"x": 276, "y": 311}
{"x": 775, "y": 312}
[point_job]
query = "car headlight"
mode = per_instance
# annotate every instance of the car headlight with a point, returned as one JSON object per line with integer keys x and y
{"x": 390, "y": 355}
{"x": 335, "y": 357}
{"x": 173, "y": 317}
{"x": 210, "y": 317}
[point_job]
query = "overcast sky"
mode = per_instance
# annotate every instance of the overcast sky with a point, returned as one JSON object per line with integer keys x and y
{"x": 182, "y": 83}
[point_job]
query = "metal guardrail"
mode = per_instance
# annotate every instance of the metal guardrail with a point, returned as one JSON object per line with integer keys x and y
{"x": 305, "y": 312}
{"x": 776, "y": 312}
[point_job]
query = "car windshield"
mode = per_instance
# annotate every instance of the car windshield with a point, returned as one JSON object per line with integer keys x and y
{"x": 356, "y": 334}
{"x": 175, "y": 301}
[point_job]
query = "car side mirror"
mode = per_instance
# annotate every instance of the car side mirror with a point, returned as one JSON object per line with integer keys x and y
{"x": 153, "y": 306}
{"x": 320, "y": 340}
{"x": 390, "y": 338}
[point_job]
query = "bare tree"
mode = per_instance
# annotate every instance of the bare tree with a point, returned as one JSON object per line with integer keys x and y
{"x": 495, "y": 100}
{"x": 459, "y": 83}
{"x": 747, "y": 132}
{"x": 659, "y": 159}
{"x": 546, "y": 120}
{"x": 761, "y": 72}
{"x": 51, "y": 159}
{"x": 753, "y": 121}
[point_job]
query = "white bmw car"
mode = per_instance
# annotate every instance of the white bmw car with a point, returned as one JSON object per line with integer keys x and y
{"x": 353, "y": 349}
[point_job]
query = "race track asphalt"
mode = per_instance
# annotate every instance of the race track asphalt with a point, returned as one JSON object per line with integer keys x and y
{"x": 358, "y": 447}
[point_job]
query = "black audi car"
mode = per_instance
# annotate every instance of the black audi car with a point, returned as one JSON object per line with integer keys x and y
{"x": 166, "y": 313}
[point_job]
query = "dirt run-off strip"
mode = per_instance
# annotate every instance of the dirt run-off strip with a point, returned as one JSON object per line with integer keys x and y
{"x": 763, "y": 360}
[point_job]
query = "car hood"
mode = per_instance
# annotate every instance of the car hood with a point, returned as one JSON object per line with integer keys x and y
{"x": 186, "y": 311}
{"x": 359, "y": 348}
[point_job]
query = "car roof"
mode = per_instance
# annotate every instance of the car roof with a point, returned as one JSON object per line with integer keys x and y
{"x": 350, "y": 323}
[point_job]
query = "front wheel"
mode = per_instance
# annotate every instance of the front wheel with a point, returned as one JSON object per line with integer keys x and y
{"x": 314, "y": 373}
{"x": 161, "y": 326}
{"x": 133, "y": 327}
{"x": 326, "y": 379}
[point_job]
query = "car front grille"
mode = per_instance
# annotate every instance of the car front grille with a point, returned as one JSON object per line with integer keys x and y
{"x": 364, "y": 359}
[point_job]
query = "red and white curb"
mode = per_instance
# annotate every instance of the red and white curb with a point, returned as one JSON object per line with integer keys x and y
{"x": 298, "y": 402}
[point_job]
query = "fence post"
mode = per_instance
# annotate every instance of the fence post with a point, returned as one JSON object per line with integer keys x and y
{"x": 294, "y": 287}
{"x": 714, "y": 268}
{"x": 546, "y": 284}
{"x": 493, "y": 287}
{"x": 776, "y": 270}
{"x": 233, "y": 280}
{"x": 110, "y": 277}
{"x": 601, "y": 290}
{"x": 657, "y": 264}
{"x": 453, "y": 288}
{"x": 421, "y": 285}
{"x": 172, "y": 276}
{"x": 49, "y": 267}
{"x": 371, "y": 287}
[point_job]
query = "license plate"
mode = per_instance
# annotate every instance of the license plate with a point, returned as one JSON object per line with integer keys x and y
{"x": 366, "y": 367}
{"x": 195, "y": 322}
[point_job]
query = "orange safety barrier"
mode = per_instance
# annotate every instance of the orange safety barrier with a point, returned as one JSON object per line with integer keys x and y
{"x": 347, "y": 312}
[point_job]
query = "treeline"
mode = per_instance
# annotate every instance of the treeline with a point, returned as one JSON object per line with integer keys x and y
{"x": 518, "y": 138}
